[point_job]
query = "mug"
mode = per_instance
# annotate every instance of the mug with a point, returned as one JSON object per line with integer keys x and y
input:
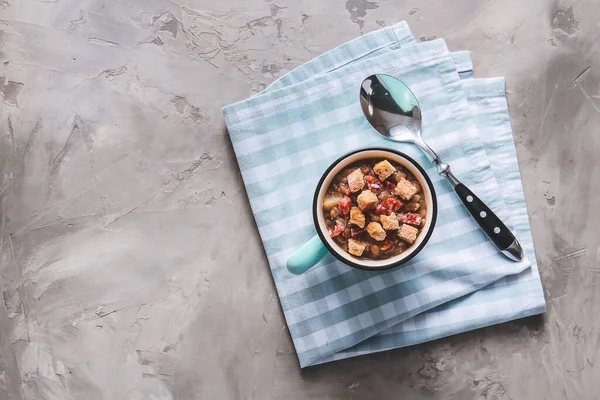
{"x": 313, "y": 251}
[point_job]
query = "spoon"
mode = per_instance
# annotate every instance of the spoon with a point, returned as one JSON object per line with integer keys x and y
{"x": 393, "y": 110}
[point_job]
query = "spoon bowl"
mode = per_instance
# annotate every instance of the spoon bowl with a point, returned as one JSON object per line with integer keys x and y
{"x": 391, "y": 108}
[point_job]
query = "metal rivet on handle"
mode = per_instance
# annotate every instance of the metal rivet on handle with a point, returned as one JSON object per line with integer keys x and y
{"x": 470, "y": 198}
{"x": 483, "y": 214}
{"x": 496, "y": 230}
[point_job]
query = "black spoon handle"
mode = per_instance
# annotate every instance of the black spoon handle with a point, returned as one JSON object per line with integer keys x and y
{"x": 489, "y": 222}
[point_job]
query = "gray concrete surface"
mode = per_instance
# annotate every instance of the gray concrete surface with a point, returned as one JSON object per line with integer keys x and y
{"x": 130, "y": 264}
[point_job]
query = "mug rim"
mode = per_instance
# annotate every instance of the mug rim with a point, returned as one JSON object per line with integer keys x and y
{"x": 394, "y": 264}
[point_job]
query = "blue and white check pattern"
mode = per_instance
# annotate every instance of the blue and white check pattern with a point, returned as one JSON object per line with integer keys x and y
{"x": 515, "y": 296}
{"x": 286, "y": 136}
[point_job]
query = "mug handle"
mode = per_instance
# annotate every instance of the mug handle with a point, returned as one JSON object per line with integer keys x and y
{"x": 307, "y": 256}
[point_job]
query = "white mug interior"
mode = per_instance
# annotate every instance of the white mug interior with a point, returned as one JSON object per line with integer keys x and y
{"x": 375, "y": 154}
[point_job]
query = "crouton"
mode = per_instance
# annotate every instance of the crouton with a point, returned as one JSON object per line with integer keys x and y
{"x": 357, "y": 217}
{"x": 389, "y": 222}
{"x": 408, "y": 233}
{"x": 384, "y": 169}
{"x": 366, "y": 200}
{"x": 406, "y": 189}
{"x": 356, "y": 181}
{"x": 376, "y": 231}
{"x": 355, "y": 247}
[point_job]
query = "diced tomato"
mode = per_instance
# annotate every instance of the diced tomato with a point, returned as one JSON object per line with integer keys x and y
{"x": 340, "y": 226}
{"x": 412, "y": 219}
{"x": 345, "y": 204}
{"x": 374, "y": 184}
{"x": 356, "y": 232}
{"x": 345, "y": 189}
{"x": 386, "y": 244}
{"x": 392, "y": 204}
{"x": 380, "y": 209}
{"x": 388, "y": 206}
{"x": 391, "y": 187}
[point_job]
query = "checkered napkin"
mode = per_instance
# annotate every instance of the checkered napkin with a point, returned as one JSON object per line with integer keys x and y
{"x": 286, "y": 136}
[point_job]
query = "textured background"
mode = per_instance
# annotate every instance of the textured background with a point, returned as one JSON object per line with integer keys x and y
{"x": 130, "y": 264}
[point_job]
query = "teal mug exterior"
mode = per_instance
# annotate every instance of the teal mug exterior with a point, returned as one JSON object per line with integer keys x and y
{"x": 320, "y": 245}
